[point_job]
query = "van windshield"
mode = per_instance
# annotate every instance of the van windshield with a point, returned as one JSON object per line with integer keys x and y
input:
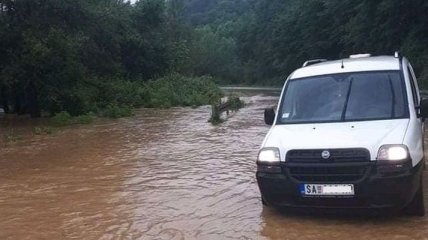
{"x": 344, "y": 97}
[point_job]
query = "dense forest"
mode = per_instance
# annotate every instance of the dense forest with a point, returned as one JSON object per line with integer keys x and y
{"x": 85, "y": 56}
{"x": 270, "y": 38}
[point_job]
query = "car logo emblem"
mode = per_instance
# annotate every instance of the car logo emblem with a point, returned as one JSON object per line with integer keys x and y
{"x": 325, "y": 154}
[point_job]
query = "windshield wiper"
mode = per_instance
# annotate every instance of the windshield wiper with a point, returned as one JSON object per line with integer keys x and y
{"x": 348, "y": 94}
{"x": 393, "y": 97}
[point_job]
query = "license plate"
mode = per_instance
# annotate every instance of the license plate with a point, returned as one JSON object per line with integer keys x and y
{"x": 327, "y": 189}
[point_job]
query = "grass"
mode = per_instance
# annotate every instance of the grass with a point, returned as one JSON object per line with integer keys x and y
{"x": 64, "y": 118}
{"x": 12, "y": 136}
{"x": 43, "y": 130}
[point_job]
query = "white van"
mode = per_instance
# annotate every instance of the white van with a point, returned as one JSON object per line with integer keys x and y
{"x": 347, "y": 134}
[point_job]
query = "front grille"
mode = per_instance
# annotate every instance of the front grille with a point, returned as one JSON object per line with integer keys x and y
{"x": 343, "y": 165}
{"x": 327, "y": 172}
{"x": 336, "y": 155}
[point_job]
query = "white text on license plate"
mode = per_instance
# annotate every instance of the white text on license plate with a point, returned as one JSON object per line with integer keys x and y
{"x": 327, "y": 189}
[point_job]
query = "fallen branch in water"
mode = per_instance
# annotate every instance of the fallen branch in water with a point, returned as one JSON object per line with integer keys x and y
{"x": 233, "y": 103}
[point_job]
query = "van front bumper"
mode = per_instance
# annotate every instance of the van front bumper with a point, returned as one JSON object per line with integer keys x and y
{"x": 382, "y": 186}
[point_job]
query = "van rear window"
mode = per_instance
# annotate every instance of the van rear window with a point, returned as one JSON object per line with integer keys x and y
{"x": 344, "y": 97}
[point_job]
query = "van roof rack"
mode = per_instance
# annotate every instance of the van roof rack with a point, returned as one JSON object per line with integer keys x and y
{"x": 313, "y": 61}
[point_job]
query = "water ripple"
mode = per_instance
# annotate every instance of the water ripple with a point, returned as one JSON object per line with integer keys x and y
{"x": 163, "y": 174}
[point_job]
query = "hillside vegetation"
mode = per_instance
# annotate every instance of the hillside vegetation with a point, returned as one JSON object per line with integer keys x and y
{"x": 271, "y": 38}
{"x": 80, "y": 56}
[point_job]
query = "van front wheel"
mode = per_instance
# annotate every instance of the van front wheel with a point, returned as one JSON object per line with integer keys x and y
{"x": 416, "y": 206}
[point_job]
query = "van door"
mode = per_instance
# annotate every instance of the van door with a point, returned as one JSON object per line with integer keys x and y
{"x": 416, "y": 127}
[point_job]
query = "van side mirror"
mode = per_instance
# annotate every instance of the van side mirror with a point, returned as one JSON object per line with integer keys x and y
{"x": 269, "y": 116}
{"x": 423, "y": 107}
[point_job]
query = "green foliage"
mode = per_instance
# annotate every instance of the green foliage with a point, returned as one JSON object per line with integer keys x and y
{"x": 61, "y": 119}
{"x": 115, "y": 111}
{"x": 88, "y": 56}
{"x": 215, "y": 54}
{"x": 235, "y": 103}
{"x": 177, "y": 90}
{"x": 215, "y": 118}
{"x": 85, "y": 118}
{"x": 64, "y": 118}
{"x": 215, "y": 12}
{"x": 214, "y": 48}
{"x": 116, "y": 98}
{"x": 281, "y": 35}
{"x": 43, "y": 130}
{"x": 81, "y": 56}
{"x": 11, "y": 136}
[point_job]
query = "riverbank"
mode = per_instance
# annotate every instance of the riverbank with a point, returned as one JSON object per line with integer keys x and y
{"x": 15, "y": 130}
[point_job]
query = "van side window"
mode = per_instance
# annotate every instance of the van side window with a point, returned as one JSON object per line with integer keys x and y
{"x": 412, "y": 84}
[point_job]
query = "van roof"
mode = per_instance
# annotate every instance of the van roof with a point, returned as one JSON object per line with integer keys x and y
{"x": 362, "y": 64}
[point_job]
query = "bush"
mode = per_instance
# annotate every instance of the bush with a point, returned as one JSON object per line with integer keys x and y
{"x": 61, "y": 119}
{"x": 115, "y": 111}
{"x": 177, "y": 90}
{"x": 64, "y": 118}
{"x": 118, "y": 91}
{"x": 116, "y": 97}
{"x": 235, "y": 102}
{"x": 85, "y": 118}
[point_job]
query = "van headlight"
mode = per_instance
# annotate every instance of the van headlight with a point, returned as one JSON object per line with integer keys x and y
{"x": 393, "y": 152}
{"x": 268, "y": 156}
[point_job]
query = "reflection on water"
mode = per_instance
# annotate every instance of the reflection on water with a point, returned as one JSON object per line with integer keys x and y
{"x": 163, "y": 174}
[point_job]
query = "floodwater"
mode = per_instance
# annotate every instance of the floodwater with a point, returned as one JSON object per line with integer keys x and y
{"x": 163, "y": 174}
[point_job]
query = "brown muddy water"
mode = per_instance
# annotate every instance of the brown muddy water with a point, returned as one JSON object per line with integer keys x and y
{"x": 163, "y": 174}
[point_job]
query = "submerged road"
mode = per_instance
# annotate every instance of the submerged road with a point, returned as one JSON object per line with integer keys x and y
{"x": 163, "y": 174}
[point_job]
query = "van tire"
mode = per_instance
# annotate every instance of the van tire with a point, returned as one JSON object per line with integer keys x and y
{"x": 417, "y": 207}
